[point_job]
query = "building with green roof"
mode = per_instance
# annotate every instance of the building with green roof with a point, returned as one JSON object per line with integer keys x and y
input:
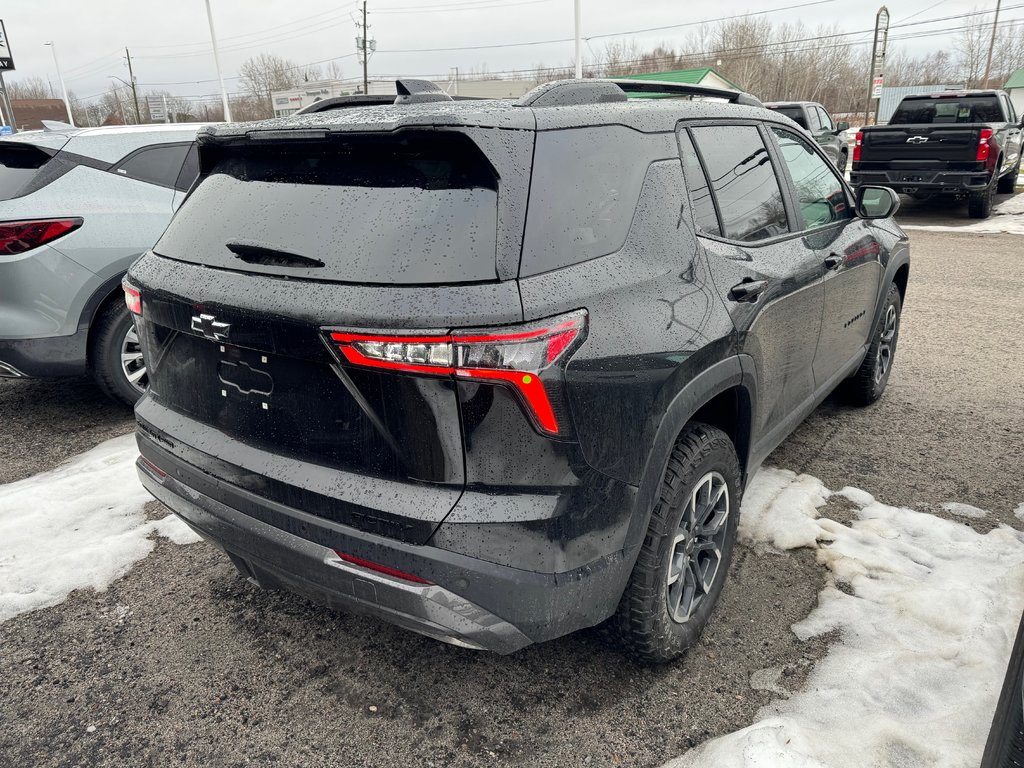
{"x": 701, "y": 76}
{"x": 1015, "y": 87}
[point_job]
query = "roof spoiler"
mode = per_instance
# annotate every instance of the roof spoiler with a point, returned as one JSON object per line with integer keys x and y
{"x": 685, "y": 89}
{"x": 569, "y": 93}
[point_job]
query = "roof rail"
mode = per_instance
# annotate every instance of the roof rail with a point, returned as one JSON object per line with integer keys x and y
{"x": 572, "y": 93}
{"x": 418, "y": 91}
{"x": 340, "y": 102}
{"x": 685, "y": 89}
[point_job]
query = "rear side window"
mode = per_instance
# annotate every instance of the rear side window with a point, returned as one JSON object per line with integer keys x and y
{"x": 964, "y": 109}
{"x": 18, "y": 166}
{"x": 820, "y": 194}
{"x": 796, "y": 114}
{"x": 743, "y": 181}
{"x": 413, "y": 208}
{"x": 156, "y": 165}
{"x": 585, "y": 187}
{"x": 705, "y": 218}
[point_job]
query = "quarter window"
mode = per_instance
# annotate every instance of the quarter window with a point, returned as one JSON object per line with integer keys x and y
{"x": 705, "y": 219}
{"x": 741, "y": 175}
{"x": 157, "y": 165}
{"x": 820, "y": 194}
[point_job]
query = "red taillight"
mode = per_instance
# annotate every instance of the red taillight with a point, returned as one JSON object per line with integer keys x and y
{"x": 983, "y": 145}
{"x": 856, "y": 145}
{"x": 132, "y": 298}
{"x": 515, "y": 357}
{"x": 385, "y": 569}
{"x": 20, "y": 236}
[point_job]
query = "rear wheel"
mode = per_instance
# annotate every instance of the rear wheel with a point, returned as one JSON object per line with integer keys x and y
{"x": 685, "y": 556}
{"x": 1008, "y": 184}
{"x": 841, "y": 162}
{"x": 979, "y": 204}
{"x": 868, "y": 383}
{"x": 115, "y": 355}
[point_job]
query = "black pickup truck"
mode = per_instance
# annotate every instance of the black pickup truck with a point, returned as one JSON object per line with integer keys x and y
{"x": 965, "y": 143}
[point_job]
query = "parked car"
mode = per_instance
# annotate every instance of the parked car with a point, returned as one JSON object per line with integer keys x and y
{"x": 964, "y": 143}
{"x": 77, "y": 206}
{"x": 497, "y": 371}
{"x": 1005, "y": 745}
{"x": 816, "y": 120}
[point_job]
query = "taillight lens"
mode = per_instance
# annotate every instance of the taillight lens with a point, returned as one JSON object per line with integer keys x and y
{"x": 132, "y": 297}
{"x": 983, "y": 143}
{"x": 857, "y": 142}
{"x": 387, "y": 570}
{"x": 20, "y": 236}
{"x": 514, "y": 357}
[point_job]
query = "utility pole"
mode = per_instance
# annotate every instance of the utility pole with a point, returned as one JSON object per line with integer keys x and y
{"x": 579, "y": 51}
{"x": 366, "y": 34}
{"x": 63, "y": 88}
{"x": 135, "y": 95}
{"x": 991, "y": 46}
{"x": 216, "y": 61}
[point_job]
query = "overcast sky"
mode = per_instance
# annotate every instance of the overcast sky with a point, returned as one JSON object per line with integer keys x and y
{"x": 170, "y": 44}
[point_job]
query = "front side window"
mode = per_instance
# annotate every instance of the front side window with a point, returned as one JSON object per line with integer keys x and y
{"x": 826, "y": 121}
{"x": 743, "y": 180}
{"x": 812, "y": 116}
{"x": 820, "y": 194}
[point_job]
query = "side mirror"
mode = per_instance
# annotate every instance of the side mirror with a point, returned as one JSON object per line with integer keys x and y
{"x": 876, "y": 202}
{"x": 843, "y": 126}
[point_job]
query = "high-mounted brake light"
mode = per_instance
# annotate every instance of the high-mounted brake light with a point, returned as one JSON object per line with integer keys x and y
{"x": 983, "y": 145}
{"x": 132, "y": 297}
{"x": 387, "y": 570}
{"x": 856, "y": 146}
{"x": 20, "y": 236}
{"x": 513, "y": 357}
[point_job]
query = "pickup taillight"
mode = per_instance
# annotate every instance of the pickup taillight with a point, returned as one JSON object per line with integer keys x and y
{"x": 856, "y": 146}
{"x": 983, "y": 145}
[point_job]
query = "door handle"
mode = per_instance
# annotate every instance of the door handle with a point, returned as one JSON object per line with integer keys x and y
{"x": 748, "y": 290}
{"x": 834, "y": 261}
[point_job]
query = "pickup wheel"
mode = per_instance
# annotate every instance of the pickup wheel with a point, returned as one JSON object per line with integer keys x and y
{"x": 841, "y": 162}
{"x": 685, "y": 556}
{"x": 979, "y": 204}
{"x": 1008, "y": 183}
{"x": 868, "y": 383}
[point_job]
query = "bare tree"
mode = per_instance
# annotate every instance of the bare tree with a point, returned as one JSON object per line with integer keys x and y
{"x": 29, "y": 88}
{"x": 265, "y": 73}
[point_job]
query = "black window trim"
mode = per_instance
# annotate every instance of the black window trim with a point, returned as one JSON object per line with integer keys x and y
{"x": 785, "y": 184}
{"x": 804, "y": 230}
{"x": 115, "y": 167}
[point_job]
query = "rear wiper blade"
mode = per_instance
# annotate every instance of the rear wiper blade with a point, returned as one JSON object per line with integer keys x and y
{"x": 262, "y": 256}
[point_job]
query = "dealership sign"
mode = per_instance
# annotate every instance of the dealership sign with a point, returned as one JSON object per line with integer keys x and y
{"x": 6, "y": 60}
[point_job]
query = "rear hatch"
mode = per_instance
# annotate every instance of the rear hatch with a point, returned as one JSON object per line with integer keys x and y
{"x": 282, "y": 241}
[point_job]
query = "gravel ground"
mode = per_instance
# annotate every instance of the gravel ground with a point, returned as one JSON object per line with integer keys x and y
{"x": 183, "y": 663}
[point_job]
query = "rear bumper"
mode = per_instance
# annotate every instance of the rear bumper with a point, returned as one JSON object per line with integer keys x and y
{"x": 470, "y": 602}
{"x": 44, "y": 358}
{"x": 923, "y": 181}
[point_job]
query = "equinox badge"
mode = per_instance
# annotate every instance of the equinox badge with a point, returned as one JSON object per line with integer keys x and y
{"x": 210, "y": 327}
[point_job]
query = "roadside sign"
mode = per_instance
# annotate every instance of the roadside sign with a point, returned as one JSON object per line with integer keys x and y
{"x": 876, "y": 86}
{"x": 157, "y": 111}
{"x": 6, "y": 130}
{"x": 6, "y": 60}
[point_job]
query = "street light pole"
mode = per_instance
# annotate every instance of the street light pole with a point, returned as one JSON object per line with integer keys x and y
{"x": 991, "y": 45}
{"x": 135, "y": 95}
{"x": 579, "y": 53}
{"x": 216, "y": 60}
{"x": 63, "y": 88}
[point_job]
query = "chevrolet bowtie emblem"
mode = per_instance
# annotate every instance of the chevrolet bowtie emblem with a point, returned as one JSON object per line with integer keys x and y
{"x": 211, "y": 327}
{"x": 917, "y": 140}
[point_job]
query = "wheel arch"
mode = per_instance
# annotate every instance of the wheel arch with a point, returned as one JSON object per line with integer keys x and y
{"x": 108, "y": 291}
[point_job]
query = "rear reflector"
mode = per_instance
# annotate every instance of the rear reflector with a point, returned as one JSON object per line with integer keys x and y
{"x": 983, "y": 145}
{"x": 856, "y": 145}
{"x": 132, "y": 297}
{"x": 385, "y": 569}
{"x": 514, "y": 357}
{"x": 153, "y": 468}
{"x": 20, "y": 236}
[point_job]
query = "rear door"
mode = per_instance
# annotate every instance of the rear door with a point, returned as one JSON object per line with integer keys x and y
{"x": 770, "y": 280}
{"x": 842, "y": 243}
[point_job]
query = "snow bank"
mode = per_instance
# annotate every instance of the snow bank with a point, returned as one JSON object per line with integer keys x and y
{"x": 1007, "y": 217}
{"x": 81, "y": 525}
{"x": 925, "y": 635}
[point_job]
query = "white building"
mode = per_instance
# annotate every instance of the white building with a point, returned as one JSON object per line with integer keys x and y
{"x": 1015, "y": 88}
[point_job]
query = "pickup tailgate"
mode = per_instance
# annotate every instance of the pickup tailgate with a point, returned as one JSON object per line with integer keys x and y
{"x": 920, "y": 147}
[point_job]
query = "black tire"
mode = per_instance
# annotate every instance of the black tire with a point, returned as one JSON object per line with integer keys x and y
{"x": 868, "y": 383}
{"x": 109, "y": 334}
{"x": 979, "y": 204}
{"x": 841, "y": 162}
{"x": 1008, "y": 184}
{"x": 643, "y": 624}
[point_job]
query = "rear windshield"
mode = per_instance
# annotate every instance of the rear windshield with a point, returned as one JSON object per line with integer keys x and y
{"x": 416, "y": 209}
{"x": 796, "y": 114}
{"x": 964, "y": 109}
{"x": 18, "y": 166}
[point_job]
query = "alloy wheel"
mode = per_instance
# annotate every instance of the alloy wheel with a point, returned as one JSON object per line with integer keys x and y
{"x": 886, "y": 342}
{"x": 132, "y": 364}
{"x": 696, "y": 554}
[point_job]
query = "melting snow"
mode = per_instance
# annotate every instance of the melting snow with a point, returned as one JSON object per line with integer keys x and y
{"x": 80, "y": 525}
{"x": 925, "y": 635}
{"x": 963, "y": 510}
{"x": 1007, "y": 217}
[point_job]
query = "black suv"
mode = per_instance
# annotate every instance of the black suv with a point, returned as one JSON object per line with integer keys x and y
{"x": 497, "y": 371}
